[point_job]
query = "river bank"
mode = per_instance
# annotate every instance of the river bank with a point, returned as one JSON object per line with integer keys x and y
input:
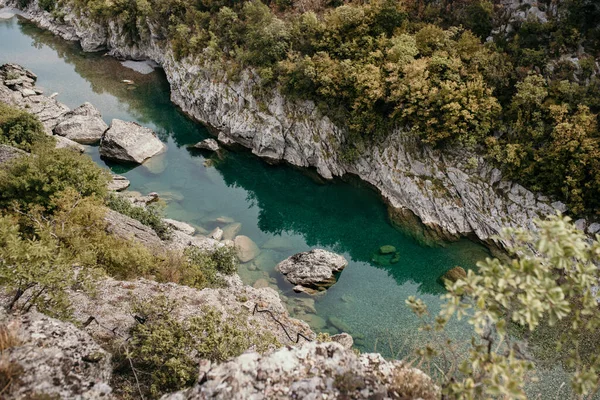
{"x": 441, "y": 195}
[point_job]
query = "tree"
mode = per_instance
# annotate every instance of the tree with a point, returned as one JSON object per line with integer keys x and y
{"x": 549, "y": 281}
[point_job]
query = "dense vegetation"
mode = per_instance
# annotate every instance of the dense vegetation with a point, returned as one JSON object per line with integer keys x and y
{"x": 422, "y": 65}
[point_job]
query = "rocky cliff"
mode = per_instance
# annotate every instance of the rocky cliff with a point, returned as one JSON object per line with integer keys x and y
{"x": 434, "y": 194}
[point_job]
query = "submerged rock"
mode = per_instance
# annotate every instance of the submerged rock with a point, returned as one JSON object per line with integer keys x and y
{"x": 230, "y": 231}
{"x": 387, "y": 249}
{"x": 82, "y": 125}
{"x": 246, "y": 249}
{"x": 129, "y": 142}
{"x": 310, "y": 371}
{"x": 312, "y": 269}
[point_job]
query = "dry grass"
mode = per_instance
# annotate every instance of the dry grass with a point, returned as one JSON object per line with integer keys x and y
{"x": 9, "y": 335}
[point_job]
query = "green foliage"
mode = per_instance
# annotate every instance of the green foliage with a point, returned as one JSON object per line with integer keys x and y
{"x": 549, "y": 281}
{"x": 30, "y": 181}
{"x": 150, "y": 215}
{"x": 37, "y": 272}
{"x": 47, "y": 5}
{"x": 169, "y": 349}
{"x": 21, "y": 129}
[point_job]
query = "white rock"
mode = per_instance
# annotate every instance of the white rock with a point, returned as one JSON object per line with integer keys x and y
{"x": 129, "y": 142}
{"x": 180, "y": 226}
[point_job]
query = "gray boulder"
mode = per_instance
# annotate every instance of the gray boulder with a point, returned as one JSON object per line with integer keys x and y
{"x": 7, "y": 153}
{"x": 65, "y": 143}
{"x": 118, "y": 183}
{"x": 129, "y": 142}
{"x": 83, "y": 125}
{"x": 310, "y": 371}
{"x": 55, "y": 360}
{"x": 312, "y": 269}
{"x": 207, "y": 144}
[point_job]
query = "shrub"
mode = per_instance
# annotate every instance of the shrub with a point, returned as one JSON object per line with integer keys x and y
{"x": 30, "y": 181}
{"x": 36, "y": 271}
{"x": 169, "y": 349}
{"x": 21, "y": 129}
{"x": 550, "y": 281}
{"x": 150, "y": 215}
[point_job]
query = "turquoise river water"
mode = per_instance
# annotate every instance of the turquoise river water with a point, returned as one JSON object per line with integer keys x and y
{"x": 283, "y": 210}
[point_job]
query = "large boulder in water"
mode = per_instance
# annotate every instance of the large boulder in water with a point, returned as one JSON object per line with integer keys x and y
{"x": 82, "y": 125}
{"x": 313, "y": 269}
{"x": 129, "y": 142}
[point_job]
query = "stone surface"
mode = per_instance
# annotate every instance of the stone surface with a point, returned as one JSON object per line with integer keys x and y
{"x": 311, "y": 371}
{"x": 82, "y": 125}
{"x": 207, "y": 144}
{"x": 129, "y": 228}
{"x": 230, "y": 231}
{"x": 7, "y": 153}
{"x": 57, "y": 360}
{"x": 216, "y": 234}
{"x": 344, "y": 339}
{"x": 313, "y": 269}
{"x": 65, "y": 143}
{"x": 180, "y": 226}
{"x": 129, "y": 142}
{"x": 246, "y": 249}
{"x": 118, "y": 183}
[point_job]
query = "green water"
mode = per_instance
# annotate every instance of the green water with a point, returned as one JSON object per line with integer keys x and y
{"x": 282, "y": 209}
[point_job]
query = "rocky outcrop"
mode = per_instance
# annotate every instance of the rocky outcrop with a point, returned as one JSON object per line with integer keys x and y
{"x": 82, "y": 125}
{"x": 311, "y": 371}
{"x": 313, "y": 269}
{"x": 7, "y": 153}
{"x": 438, "y": 195}
{"x": 118, "y": 183}
{"x": 17, "y": 88}
{"x": 129, "y": 142}
{"x": 51, "y": 359}
{"x": 207, "y": 144}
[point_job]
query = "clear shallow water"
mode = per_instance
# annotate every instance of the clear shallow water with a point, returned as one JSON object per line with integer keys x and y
{"x": 282, "y": 209}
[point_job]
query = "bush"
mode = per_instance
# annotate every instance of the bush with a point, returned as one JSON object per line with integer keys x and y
{"x": 21, "y": 129}
{"x": 36, "y": 272}
{"x": 551, "y": 281}
{"x": 150, "y": 215}
{"x": 169, "y": 349}
{"x": 30, "y": 181}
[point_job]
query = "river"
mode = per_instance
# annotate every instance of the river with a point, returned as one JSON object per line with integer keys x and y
{"x": 282, "y": 209}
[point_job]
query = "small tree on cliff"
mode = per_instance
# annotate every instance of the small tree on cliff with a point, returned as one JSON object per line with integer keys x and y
{"x": 545, "y": 292}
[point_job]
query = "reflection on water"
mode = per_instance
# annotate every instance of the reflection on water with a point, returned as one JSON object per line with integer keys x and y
{"x": 283, "y": 210}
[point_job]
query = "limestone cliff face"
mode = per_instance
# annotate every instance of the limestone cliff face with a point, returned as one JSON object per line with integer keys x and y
{"x": 443, "y": 195}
